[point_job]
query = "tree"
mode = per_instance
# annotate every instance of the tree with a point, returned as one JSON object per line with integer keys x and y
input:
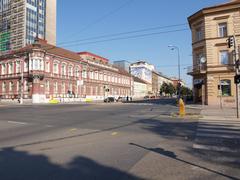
{"x": 167, "y": 89}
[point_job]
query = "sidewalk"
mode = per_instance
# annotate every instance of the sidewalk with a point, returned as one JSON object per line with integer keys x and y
{"x": 216, "y": 113}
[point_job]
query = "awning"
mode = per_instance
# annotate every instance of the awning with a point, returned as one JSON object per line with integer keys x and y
{"x": 197, "y": 81}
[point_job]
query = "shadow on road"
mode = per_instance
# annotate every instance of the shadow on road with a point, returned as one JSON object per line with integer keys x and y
{"x": 19, "y": 165}
{"x": 172, "y": 155}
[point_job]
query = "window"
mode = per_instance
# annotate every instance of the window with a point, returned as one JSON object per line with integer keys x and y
{"x": 47, "y": 67}
{"x": 70, "y": 87}
{"x": 199, "y": 34}
{"x": 18, "y": 67}
{"x": 11, "y": 86}
{"x": 84, "y": 73}
{"x": 222, "y": 30}
{"x": 101, "y": 76}
{"x": 77, "y": 71}
{"x": 64, "y": 72}
{"x": 36, "y": 64}
{"x": 4, "y": 87}
{"x": 70, "y": 71}
{"x": 55, "y": 68}
{"x": 224, "y": 57}
{"x": 25, "y": 85}
{"x": 96, "y": 75}
{"x": 225, "y": 87}
{"x": 198, "y": 58}
{"x": 18, "y": 86}
{"x": 25, "y": 66}
{"x": 63, "y": 88}
{"x": 4, "y": 69}
{"x": 47, "y": 86}
{"x": 55, "y": 87}
{"x": 10, "y": 68}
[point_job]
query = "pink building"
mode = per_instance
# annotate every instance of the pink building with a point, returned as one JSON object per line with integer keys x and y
{"x": 40, "y": 72}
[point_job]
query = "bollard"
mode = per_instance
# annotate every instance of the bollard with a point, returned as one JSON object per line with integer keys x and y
{"x": 181, "y": 108}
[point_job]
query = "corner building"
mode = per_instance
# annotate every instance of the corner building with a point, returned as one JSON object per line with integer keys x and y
{"x": 213, "y": 68}
{"x": 42, "y": 71}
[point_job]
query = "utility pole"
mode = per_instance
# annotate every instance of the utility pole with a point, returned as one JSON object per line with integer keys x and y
{"x": 232, "y": 43}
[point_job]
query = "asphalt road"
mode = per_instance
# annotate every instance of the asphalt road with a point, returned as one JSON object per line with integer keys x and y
{"x": 104, "y": 141}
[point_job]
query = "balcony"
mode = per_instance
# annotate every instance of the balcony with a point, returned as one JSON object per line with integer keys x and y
{"x": 197, "y": 69}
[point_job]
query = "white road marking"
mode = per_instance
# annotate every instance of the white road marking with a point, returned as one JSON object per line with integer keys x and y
{"x": 217, "y": 127}
{"x": 230, "y": 136}
{"x": 214, "y": 148}
{"x": 225, "y": 130}
{"x": 16, "y": 122}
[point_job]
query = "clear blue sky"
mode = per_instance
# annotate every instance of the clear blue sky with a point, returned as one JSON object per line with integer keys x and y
{"x": 81, "y": 19}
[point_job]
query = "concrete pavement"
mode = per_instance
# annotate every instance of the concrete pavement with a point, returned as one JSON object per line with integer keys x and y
{"x": 106, "y": 141}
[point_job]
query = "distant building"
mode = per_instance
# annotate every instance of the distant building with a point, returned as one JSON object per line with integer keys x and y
{"x": 101, "y": 79}
{"x": 142, "y": 70}
{"x": 140, "y": 88}
{"x": 175, "y": 82}
{"x": 157, "y": 80}
{"x": 123, "y": 64}
{"x": 21, "y": 21}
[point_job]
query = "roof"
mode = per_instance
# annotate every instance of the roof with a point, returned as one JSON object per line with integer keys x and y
{"x": 42, "y": 44}
{"x": 231, "y": 4}
{"x": 93, "y": 55}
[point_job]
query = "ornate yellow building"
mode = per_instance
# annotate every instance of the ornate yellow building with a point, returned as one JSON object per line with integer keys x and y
{"x": 213, "y": 67}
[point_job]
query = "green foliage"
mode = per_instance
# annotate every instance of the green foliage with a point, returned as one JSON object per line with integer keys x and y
{"x": 185, "y": 91}
{"x": 168, "y": 89}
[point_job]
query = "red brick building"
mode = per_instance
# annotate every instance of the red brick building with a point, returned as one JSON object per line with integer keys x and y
{"x": 40, "y": 72}
{"x": 103, "y": 79}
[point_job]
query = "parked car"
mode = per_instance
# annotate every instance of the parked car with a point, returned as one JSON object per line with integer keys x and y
{"x": 146, "y": 97}
{"x": 109, "y": 99}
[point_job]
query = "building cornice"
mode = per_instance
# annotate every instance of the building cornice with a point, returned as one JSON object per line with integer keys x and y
{"x": 231, "y": 6}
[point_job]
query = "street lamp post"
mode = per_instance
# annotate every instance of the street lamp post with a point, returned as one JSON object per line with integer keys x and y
{"x": 179, "y": 72}
{"x": 22, "y": 84}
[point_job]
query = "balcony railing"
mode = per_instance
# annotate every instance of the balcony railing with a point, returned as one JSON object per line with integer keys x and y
{"x": 197, "y": 69}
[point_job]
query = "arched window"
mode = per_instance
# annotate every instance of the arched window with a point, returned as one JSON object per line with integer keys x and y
{"x": 70, "y": 71}
{"x": 225, "y": 87}
{"x": 4, "y": 87}
{"x": 77, "y": 71}
{"x": 55, "y": 87}
{"x": 47, "y": 86}
{"x": 11, "y": 86}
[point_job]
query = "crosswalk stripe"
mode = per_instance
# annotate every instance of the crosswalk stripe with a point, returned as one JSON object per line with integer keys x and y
{"x": 214, "y": 148}
{"x": 211, "y": 135}
{"x": 218, "y": 135}
{"x": 218, "y": 126}
{"x": 219, "y": 130}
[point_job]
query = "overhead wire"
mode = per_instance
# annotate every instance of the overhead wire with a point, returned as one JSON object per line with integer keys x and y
{"x": 123, "y": 33}
{"x": 102, "y": 17}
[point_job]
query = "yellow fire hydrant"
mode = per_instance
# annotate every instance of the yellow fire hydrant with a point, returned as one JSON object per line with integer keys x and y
{"x": 181, "y": 108}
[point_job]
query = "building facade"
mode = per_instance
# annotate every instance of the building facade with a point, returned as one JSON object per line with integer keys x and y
{"x": 21, "y": 21}
{"x": 140, "y": 88}
{"x": 41, "y": 72}
{"x": 104, "y": 80}
{"x": 142, "y": 70}
{"x": 213, "y": 62}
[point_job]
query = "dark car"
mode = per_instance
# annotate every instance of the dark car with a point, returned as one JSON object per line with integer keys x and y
{"x": 109, "y": 99}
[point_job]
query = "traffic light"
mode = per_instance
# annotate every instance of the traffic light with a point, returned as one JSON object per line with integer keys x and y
{"x": 237, "y": 64}
{"x": 230, "y": 41}
{"x": 237, "y": 79}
